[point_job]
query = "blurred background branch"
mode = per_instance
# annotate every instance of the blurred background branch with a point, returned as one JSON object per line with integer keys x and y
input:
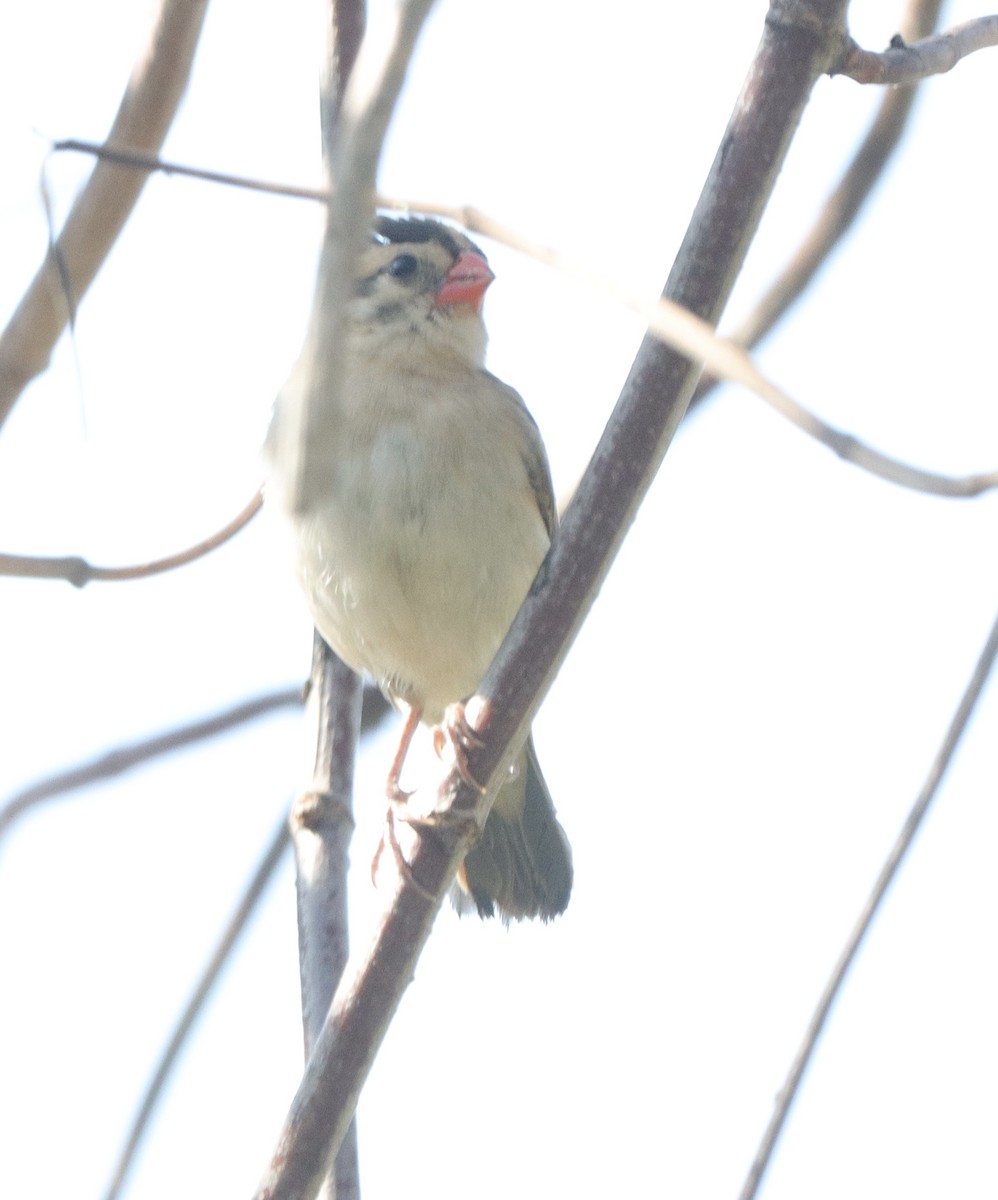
{"x": 874, "y": 903}
{"x": 124, "y": 758}
{"x": 147, "y": 110}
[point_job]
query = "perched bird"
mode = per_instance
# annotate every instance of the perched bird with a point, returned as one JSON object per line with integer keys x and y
{"x": 436, "y": 510}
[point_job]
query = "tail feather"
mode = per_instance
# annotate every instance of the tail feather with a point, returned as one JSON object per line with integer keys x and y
{"x": 522, "y": 866}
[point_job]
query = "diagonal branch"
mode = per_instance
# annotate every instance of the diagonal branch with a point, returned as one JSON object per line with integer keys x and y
{"x": 689, "y": 334}
{"x": 97, "y": 217}
{"x": 899, "y": 851}
{"x": 800, "y": 41}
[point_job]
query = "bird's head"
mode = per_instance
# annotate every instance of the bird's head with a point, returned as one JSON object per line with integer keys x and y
{"x": 420, "y": 284}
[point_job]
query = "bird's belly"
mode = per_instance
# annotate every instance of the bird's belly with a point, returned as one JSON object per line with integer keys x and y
{"x": 416, "y": 566}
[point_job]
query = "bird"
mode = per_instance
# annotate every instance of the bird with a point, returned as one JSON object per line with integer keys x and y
{"x": 434, "y": 512}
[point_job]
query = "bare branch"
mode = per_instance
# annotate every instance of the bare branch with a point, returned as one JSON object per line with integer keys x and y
{"x": 79, "y": 572}
{"x": 124, "y": 758}
{"x": 795, "y": 50}
{"x": 898, "y": 852}
{"x": 840, "y": 209}
{"x": 321, "y": 829}
{"x": 931, "y": 56}
{"x": 245, "y": 908}
{"x": 101, "y": 209}
{"x": 684, "y": 331}
{"x": 741, "y": 368}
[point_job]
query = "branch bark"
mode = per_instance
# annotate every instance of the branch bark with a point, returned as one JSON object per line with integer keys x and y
{"x": 321, "y": 829}
{"x": 931, "y": 56}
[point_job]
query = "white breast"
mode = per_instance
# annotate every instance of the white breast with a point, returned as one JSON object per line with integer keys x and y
{"x": 417, "y": 561}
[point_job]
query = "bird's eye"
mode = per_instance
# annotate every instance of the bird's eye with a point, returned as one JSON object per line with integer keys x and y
{"x": 403, "y": 267}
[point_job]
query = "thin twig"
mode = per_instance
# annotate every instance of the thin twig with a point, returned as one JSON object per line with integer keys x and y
{"x": 794, "y": 51}
{"x": 931, "y": 56}
{"x": 103, "y": 206}
{"x": 725, "y": 357}
{"x": 245, "y": 908}
{"x": 897, "y": 854}
{"x": 840, "y": 209}
{"x": 124, "y": 758}
{"x": 683, "y": 330}
{"x": 79, "y": 572}
{"x": 137, "y": 161}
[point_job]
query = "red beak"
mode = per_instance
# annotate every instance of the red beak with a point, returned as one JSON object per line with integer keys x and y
{"x": 466, "y": 281}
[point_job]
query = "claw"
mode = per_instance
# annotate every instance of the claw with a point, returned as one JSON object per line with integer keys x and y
{"x": 456, "y": 735}
{"x": 390, "y": 838}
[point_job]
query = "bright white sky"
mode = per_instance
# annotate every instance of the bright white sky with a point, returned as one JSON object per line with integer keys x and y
{"x": 732, "y": 744}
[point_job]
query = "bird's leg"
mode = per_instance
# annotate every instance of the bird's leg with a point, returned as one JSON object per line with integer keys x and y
{"x": 396, "y": 796}
{"x": 392, "y": 789}
{"x": 456, "y": 734}
{"x": 453, "y": 733}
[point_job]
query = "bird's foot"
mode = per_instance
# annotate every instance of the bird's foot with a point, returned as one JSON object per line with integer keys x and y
{"x": 390, "y": 838}
{"x": 455, "y": 736}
